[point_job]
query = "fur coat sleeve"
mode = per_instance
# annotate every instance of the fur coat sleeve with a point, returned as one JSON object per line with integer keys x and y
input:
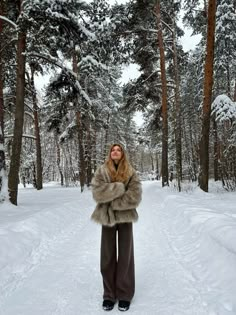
{"x": 104, "y": 191}
{"x": 132, "y": 196}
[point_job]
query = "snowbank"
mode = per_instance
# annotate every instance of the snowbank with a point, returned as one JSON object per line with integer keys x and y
{"x": 202, "y": 235}
{"x": 28, "y": 231}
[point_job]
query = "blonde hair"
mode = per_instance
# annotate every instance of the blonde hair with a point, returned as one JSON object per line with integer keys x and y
{"x": 124, "y": 169}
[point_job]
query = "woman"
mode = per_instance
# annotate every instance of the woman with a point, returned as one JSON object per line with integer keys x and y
{"x": 117, "y": 190}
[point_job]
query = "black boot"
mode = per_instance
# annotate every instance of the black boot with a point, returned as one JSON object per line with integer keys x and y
{"x": 123, "y": 305}
{"x": 107, "y": 305}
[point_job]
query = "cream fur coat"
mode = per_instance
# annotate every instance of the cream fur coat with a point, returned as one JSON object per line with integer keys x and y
{"x": 116, "y": 202}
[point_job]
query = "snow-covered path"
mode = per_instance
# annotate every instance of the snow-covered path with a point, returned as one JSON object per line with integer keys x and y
{"x": 62, "y": 276}
{"x": 161, "y": 277}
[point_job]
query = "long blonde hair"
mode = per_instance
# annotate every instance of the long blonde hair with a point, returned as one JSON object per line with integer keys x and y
{"x": 124, "y": 170}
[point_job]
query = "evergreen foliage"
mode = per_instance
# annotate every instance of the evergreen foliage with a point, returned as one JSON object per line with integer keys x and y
{"x": 83, "y": 47}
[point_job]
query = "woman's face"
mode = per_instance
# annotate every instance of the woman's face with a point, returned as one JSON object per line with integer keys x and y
{"x": 116, "y": 153}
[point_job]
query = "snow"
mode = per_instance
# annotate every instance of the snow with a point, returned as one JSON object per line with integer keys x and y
{"x": 24, "y": 136}
{"x": 89, "y": 34}
{"x": 8, "y": 21}
{"x": 83, "y": 93}
{"x": 93, "y": 61}
{"x": 65, "y": 134}
{"x": 185, "y": 253}
{"x": 4, "y": 188}
{"x": 223, "y": 108}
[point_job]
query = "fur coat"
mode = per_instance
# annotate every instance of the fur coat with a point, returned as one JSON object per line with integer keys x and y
{"x": 116, "y": 201}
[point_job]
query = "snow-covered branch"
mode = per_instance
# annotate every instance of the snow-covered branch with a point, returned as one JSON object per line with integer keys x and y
{"x": 65, "y": 134}
{"x": 148, "y": 30}
{"x": 29, "y": 114}
{"x": 87, "y": 32}
{"x": 223, "y": 108}
{"x": 168, "y": 85}
{"x": 158, "y": 70}
{"x": 8, "y": 21}
{"x": 93, "y": 61}
{"x": 50, "y": 59}
{"x": 59, "y": 64}
{"x": 168, "y": 26}
{"x": 24, "y": 136}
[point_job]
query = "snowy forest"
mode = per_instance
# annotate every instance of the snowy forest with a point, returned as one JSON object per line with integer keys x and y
{"x": 62, "y": 133}
{"x": 75, "y": 75}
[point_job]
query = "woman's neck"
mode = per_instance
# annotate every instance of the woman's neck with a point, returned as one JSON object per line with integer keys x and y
{"x": 116, "y": 164}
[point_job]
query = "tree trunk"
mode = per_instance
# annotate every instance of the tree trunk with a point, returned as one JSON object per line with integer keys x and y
{"x": 1, "y": 75}
{"x": 34, "y": 175}
{"x": 39, "y": 172}
{"x": 205, "y": 8}
{"x": 81, "y": 153}
{"x": 157, "y": 166}
{"x": 152, "y": 160}
{"x": 88, "y": 141}
{"x": 178, "y": 131}
{"x": 80, "y": 132}
{"x": 164, "y": 165}
{"x": 2, "y": 166}
{"x": 19, "y": 118}
{"x": 208, "y": 83}
{"x": 66, "y": 168}
{"x": 216, "y": 151}
{"x": 235, "y": 90}
{"x": 2, "y": 151}
{"x": 94, "y": 150}
{"x": 228, "y": 79}
{"x": 59, "y": 158}
{"x": 70, "y": 162}
{"x": 89, "y": 155}
{"x": 105, "y": 147}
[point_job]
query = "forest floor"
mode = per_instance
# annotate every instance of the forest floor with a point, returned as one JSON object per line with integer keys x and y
{"x": 185, "y": 253}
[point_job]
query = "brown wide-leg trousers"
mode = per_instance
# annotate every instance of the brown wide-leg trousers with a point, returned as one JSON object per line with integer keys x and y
{"x": 118, "y": 272}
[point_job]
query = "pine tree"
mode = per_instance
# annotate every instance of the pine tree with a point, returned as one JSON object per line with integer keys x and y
{"x": 208, "y": 83}
{"x": 2, "y": 151}
{"x": 19, "y": 112}
{"x": 59, "y": 14}
{"x": 164, "y": 169}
